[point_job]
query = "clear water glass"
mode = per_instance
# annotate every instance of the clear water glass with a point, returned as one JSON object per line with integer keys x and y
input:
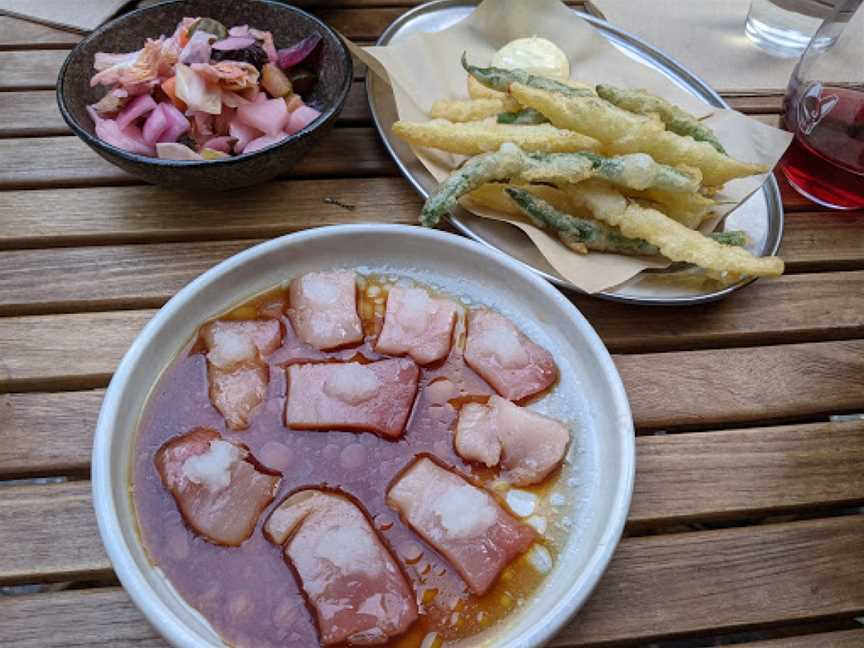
{"x": 784, "y": 27}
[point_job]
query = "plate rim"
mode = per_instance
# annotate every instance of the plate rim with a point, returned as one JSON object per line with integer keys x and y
{"x": 769, "y": 188}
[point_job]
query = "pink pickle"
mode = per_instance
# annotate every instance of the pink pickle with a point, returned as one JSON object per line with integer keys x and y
{"x": 270, "y": 116}
{"x": 243, "y": 133}
{"x": 140, "y": 105}
{"x": 222, "y": 144}
{"x": 155, "y": 125}
{"x": 300, "y": 119}
{"x": 177, "y": 123}
{"x": 263, "y": 142}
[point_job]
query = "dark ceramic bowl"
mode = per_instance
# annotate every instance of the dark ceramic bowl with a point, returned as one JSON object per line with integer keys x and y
{"x": 128, "y": 33}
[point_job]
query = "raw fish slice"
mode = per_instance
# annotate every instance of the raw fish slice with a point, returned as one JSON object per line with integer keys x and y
{"x": 528, "y": 445}
{"x": 505, "y": 357}
{"x": 217, "y": 485}
{"x": 461, "y": 521}
{"x": 374, "y": 397}
{"x": 233, "y": 343}
{"x": 237, "y": 393}
{"x": 324, "y": 309}
{"x": 355, "y": 586}
{"x": 417, "y": 324}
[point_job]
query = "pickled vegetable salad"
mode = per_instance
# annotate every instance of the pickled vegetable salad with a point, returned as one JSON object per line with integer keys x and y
{"x": 204, "y": 93}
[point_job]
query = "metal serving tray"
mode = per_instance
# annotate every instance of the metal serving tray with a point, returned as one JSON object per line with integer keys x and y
{"x": 761, "y": 216}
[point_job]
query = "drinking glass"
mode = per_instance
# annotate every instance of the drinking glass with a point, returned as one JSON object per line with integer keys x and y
{"x": 824, "y": 109}
{"x": 785, "y": 27}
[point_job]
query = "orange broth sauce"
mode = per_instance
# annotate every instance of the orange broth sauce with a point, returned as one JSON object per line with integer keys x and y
{"x": 247, "y": 593}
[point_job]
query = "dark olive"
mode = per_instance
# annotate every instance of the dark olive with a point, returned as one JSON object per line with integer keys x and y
{"x": 187, "y": 140}
{"x": 253, "y": 54}
{"x": 302, "y": 79}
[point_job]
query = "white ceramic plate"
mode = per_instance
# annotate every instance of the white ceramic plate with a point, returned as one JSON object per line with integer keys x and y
{"x": 597, "y": 480}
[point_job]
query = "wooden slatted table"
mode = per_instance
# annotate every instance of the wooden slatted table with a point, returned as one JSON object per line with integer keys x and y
{"x": 746, "y": 523}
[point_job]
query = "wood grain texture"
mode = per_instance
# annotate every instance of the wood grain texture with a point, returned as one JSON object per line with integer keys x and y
{"x": 670, "y": 585}
{"x": 794, "y": 308}
{"x": 809, "y": 238}
{"x": 693, "y": 582}
{"x": 843, "y": 639}
{"x": 736, "y": 386}
{"x": 38, "y": 162}
{"x": 47, "y": 433}
{"x": 666, "y": 390}
{"x": 30, "y": 69}
{"x": 35, "y": 113}
{"x": 146, "y": 214}
{"x": 24, "y": 34}
{"x": 67, "y": 548}
{"x": 813, "y": 241}
{"x": 724, "y": 473}
{"x": 95, "y": 617}
{"x": 133, "y": 276}
{"x": 56, "y": 352}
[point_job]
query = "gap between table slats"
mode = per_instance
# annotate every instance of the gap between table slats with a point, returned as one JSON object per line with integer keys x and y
{"x": 813, "y": 241}
{"x": 695, "y": 389}
{"x": 793, "y": 308}
{"x": 39, "y": 162}
{"x": 761, "y": 575}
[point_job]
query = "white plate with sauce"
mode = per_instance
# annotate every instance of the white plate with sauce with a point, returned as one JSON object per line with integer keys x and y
{"x": 586, "y": 508}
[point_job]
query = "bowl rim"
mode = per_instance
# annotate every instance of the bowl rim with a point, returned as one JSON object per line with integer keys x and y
{"x": 133, "y": 580}
{"x": 325, "y": 117}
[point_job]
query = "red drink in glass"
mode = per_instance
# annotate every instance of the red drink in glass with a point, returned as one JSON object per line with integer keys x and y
{"x": 825, "y": 161}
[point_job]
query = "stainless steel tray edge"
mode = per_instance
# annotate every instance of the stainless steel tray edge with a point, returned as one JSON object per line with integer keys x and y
{"x": 680, "y": 73}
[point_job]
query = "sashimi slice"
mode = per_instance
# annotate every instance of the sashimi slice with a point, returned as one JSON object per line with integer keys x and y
{"x": 528, "y": 445}
{"x": 461, "y": 521}
{"x": 505, "y": 357}
{"x": 234, "y": 343}
{"x": 237, "y": 393}
{"x": 357, "y": 590}
{"x": 217, "y": 485}
{"x": 324, "y": 309}
{"x": 375, "y": 397}
{"x": 417, "y": 325}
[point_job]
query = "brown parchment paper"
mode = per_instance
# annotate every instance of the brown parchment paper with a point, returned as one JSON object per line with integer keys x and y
{"x": 425, "y": 67}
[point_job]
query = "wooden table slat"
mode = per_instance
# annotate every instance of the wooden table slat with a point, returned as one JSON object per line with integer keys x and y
{"x": 740, "y": 386}
{"x": 16, "y": 33}
{"x": 66, "y": 161}
{"x": 102, "y": 215}
{"x": 793, "y": 308}
{"x": 670, "y": 585}
{"x": 727, "y": 473}
{"x": 681, "y": 388}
